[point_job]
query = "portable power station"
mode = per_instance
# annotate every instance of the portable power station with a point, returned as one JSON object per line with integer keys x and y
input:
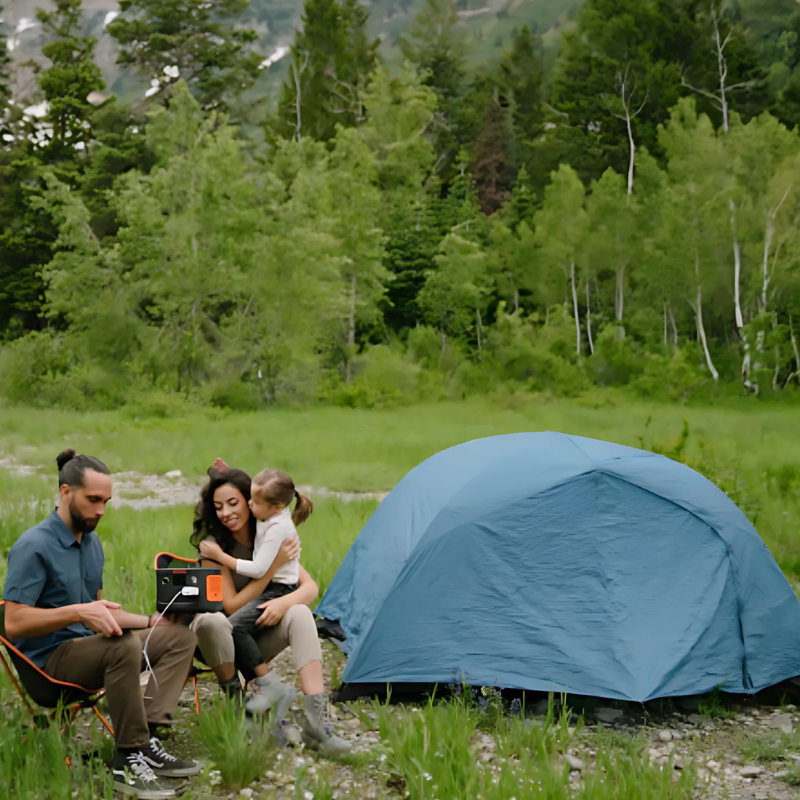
{"x": 190, "y": 589}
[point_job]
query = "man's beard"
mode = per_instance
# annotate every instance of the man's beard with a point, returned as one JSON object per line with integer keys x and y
{"x": 79, "y": 522}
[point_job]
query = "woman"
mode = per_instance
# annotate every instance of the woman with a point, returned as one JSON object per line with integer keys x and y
{"x": 224, "y": 516}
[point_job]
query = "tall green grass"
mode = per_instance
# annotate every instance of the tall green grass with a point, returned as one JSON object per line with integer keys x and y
{"x": 436, "y": 752}
{"x": 361, "y": 450}
{"x": 33, "y": 764}
{"x": 240, "y": 751}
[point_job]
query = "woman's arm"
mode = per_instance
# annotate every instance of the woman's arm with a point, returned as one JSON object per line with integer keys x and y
{"x": 232, "y": 600}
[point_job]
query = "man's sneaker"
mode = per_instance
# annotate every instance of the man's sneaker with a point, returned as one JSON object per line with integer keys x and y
{"x": 317, "y": 734}
{"x": 166, "y": 765}
{"x": 134, "y": 776}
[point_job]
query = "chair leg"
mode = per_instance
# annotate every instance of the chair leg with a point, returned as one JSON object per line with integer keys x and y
{"x": 196, "y": 696}
{"x": 103, "y": 720}
{"x": 17, "y": 686}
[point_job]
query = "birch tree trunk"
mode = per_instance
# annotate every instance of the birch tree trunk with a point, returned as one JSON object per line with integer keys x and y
{"x": 575, "y": 308}
{"x": 674, "y": 326}
{"x": 589, "y": 319}
{"x": 698, "y": 314}
{"x": 351, "y": 327}
{"x": 769, "y": 233}
{"x": 737, "y": 268}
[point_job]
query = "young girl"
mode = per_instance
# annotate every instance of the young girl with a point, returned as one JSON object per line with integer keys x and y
{"x": 272, "y": 493}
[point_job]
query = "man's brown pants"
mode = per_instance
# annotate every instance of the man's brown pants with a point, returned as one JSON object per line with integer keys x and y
{"x": 116, "y": 663}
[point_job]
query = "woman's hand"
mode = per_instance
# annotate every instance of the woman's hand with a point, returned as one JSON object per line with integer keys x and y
{"x": 289, "y": 550}
{"x": 220, "y": 464}
{"x": 210, "y": 550}
{"x": 274, "y": 612}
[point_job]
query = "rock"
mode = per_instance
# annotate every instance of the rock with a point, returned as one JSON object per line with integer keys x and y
{"x": 678, "y": 763}
{"x": 294, "y": 735}
{"x": 486, "y": 756}
{"x": 782, "y": 722}
{"x": 608, "y": 715}
{"x": 176, "y": 473}
{"x": 712, "y": 766}
{"x": 575, "y": 764}
{"x": 677, "y": 736}
{"x": 353, "y": 724}
{"x": 246, "y": 792}
{"x": 751, "y": 771}
{"x": 665, "y": 736}
{"x": 791, "y": 708}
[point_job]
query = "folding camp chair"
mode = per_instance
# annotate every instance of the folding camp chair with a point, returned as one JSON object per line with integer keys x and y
{"x": 36, "y": 685}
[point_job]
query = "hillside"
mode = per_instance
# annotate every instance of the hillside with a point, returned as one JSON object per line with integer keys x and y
{"x": 491, "y": 25}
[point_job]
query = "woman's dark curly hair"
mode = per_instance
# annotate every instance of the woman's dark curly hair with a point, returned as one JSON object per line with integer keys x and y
{"x": 206, "y": 523}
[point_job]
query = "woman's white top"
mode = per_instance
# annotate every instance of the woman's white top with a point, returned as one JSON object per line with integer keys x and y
{"x": 270, "y": 533}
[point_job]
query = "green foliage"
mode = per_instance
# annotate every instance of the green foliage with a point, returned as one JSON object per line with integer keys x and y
{"x": 241, "y": 752}
{"x": 429, "y": 224}
{"x": 38, "y": 760}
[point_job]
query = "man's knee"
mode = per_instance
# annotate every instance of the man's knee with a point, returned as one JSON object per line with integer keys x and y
{"x": 176, "y": 637}
{"x": 126, "y": 649}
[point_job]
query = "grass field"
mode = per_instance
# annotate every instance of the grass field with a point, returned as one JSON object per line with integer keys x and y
{"x": 436, "y": 752}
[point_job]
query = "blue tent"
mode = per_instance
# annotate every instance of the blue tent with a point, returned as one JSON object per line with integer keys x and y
{"x": 548, "y": 562}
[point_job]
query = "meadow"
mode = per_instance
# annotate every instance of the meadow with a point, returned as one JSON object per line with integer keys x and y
{"x": 465, "y": 749}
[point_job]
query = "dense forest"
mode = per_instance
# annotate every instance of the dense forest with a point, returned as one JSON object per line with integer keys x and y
{"x": 375, "y": 234}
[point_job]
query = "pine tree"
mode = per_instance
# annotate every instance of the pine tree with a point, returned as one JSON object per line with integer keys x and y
{"x": 520, "y": 76}
{"x": 332, "y": 61}
{"x": 492, "y": 168}
{"x": 71, "y": 77}
{"x": 192, "y": 40}
{"x": 436, "y": 45}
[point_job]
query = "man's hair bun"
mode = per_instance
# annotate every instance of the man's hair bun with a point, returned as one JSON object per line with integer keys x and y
{"x": 63, "y": 458}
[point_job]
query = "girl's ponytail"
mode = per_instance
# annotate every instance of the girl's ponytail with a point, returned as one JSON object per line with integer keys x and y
{"x": 302, "y": 509}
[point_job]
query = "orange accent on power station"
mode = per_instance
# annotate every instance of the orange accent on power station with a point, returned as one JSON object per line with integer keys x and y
{"x": 214, "y": 588}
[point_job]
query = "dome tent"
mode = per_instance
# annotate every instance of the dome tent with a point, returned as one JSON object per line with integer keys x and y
{"x": 547, "y": 562}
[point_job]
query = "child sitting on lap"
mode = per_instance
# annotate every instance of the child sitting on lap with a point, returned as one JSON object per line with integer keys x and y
{"x": 271, "y": 496}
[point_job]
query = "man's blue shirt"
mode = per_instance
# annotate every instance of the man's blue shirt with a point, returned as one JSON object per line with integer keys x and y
{"x": 49, "y": 568}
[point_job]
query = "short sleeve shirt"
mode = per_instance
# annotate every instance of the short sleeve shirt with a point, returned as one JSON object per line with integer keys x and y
{"x": 49, "y": 568}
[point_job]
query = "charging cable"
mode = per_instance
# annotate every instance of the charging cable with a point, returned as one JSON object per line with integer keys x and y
{"x": 187, "y": 591}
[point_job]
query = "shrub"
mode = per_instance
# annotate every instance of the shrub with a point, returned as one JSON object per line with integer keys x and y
{"x": 382, "y": 378}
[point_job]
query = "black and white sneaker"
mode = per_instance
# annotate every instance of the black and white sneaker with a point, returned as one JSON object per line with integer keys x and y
{"x": 134, "y": 776}
{"x": 165, "y": 765}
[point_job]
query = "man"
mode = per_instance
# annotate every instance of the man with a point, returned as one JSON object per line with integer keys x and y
{"x": 56, "y": 617}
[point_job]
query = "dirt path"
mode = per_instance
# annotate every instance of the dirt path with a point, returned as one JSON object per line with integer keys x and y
{"x": 142, "y": 492}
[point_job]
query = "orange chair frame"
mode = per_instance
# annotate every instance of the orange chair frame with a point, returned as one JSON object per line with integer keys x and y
{"x": 90, "y": 701}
